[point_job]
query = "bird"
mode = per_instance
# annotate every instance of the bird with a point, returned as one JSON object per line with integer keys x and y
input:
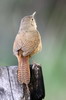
{"x": 27, "y": 43}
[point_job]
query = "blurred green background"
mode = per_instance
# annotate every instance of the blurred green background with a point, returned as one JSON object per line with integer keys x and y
{"x": 51, "y": 21}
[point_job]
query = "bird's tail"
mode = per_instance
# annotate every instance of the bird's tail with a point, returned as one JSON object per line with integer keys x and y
{"x": 26, "y": 92}
{"x": 23, "y": 69}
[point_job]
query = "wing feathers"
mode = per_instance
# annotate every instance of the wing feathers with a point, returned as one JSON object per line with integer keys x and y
{"x": 27, "y": 42}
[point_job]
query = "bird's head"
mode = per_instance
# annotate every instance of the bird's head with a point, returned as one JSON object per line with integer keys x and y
{"x": 28, "y": 22}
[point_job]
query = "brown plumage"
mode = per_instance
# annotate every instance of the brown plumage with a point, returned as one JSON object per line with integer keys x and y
{"x": 27, "y": 43}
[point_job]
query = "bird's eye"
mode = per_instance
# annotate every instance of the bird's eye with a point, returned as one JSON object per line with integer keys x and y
{"x": 32, "y": 19}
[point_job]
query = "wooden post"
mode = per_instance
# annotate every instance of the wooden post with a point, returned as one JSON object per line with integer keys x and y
{"x": 10, "y": 89}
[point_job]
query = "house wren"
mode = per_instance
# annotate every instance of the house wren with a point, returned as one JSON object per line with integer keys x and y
{"x": 27, "y": 43}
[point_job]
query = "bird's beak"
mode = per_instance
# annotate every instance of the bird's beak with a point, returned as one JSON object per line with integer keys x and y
{"x": 34, "y": 14}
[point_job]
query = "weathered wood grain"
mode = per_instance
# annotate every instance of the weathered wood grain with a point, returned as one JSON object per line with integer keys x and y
{"x": 16, "y": 88}
{"x": 5, "y": 91}
{"x": 10, "y": 89}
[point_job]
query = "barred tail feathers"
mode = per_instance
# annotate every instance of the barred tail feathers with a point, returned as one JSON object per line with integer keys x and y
{"x": 23, "y": 70}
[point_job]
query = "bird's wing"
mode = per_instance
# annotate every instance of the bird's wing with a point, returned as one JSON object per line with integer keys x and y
{"x": 39, "y": 48}
{"x": 16, "y": 45}
{"x": 27, "y": 42}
